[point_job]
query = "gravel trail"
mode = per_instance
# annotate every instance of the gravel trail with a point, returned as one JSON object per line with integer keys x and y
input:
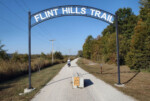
{"x": 60, "y": 88}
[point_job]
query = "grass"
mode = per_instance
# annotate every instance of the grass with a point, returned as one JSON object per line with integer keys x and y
{"x": 10, "y": 69}
{"x": 9, "y": 91}
{"x": 137, "y": 84}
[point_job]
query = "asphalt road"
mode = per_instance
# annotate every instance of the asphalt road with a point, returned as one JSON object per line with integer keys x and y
{"x": 60, "y": 88}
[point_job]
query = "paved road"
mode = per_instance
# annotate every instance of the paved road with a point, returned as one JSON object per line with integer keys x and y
{"x": 60, "y": 88}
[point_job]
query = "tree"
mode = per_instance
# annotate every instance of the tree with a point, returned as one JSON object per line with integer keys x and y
{"x": 126, "y": 23}
{"x": 108, "y": 30}
{"x": 139, "y": 55}
{"x": 80, "y": 53}
{"x": 16, "y": 57}
{"x": 3, "y": 54}
{"x": 24, "y": 57}
{"x": 43, "y": 55}
{"x": 96, "y": 50}
{"x": 87, "y": 47}
{"x": 109, "y": 48}
{"x": 134, "y": 39}
{"x": 58, "y": 55}
{"x": 144, "y": 9}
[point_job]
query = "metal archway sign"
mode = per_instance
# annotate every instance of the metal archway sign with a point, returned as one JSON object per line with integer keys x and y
{"x": 71, "y": 10}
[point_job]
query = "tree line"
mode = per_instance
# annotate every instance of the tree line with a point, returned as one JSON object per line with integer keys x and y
{"x": 134, "y": 39}
{"x": 15, "y": 64}
{"x": 16, "y": 57}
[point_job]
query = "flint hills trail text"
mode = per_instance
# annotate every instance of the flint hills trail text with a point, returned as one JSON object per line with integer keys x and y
{"x": 77, "y": 11}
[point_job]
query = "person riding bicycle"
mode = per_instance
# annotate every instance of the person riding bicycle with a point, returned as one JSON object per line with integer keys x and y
{"x": 69, "y": 62}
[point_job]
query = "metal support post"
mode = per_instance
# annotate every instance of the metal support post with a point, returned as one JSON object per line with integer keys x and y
{"x": 117, "y": 43}
{"x": 29, "y": 44}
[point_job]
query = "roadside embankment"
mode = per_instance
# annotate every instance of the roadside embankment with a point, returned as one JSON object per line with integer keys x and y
{"x": 137, "y": 84}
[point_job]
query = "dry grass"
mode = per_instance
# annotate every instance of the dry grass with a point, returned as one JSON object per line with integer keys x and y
{"x": 9, "y": 91}
{"x": 12, "y": 69}
{"x": 137, "y": 84}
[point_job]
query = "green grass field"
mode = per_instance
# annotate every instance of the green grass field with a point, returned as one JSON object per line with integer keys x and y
{"x": 9, "y": 91}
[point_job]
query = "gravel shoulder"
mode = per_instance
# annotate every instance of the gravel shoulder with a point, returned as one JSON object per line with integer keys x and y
{"x": 60, "y": 88}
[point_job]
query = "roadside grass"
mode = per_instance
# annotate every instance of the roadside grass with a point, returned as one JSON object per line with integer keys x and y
{"x": 9, "y": 91}
{"x": 137, "y": 84}
{"x": 10, "y": 69}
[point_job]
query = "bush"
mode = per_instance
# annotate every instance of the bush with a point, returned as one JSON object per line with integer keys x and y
{"x": 58, "y": 55}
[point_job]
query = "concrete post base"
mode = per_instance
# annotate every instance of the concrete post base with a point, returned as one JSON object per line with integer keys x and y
{"x": 27, "y": 90}
{"x": 119, "y": 85}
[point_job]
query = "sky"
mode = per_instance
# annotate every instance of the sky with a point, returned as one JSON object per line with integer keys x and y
{"x": 68, "y": 32}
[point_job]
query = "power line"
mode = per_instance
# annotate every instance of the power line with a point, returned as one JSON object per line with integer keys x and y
{"x": 16, "y": 13}
{"x": 20, "y": 6}
{"x": 19, "y": 28}
{"x": 37, "y": 26}
{"x": 43, "y": 35}
{"x": 12, "y": 11}
{"x": 26, "y": 6}
{"x": 10, "y": 23}
{"x": 26, "y": 12}
{"x": 43, "y": 31}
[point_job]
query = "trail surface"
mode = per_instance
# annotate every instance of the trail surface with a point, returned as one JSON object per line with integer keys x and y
{"x": 60, "y": 88}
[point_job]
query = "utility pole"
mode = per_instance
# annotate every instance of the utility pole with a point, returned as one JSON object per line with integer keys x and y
{"x": 69, "y": 50}
{"x": 52, "y": 50}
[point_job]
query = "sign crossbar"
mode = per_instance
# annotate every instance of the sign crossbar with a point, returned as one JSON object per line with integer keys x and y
{"x": 71, "y": 10}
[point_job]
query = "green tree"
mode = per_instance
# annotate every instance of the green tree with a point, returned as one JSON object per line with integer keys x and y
{"x": 134, "y": 39}
{"x": 108, "y": 30}
{"x": 43, "y": 55}
{"x": 80, "y": 53}
{"x": 87, "y": 47}
{"x": 95, "y": 49}
{"x": 144, "y": 9}
{"x": 3, "y": 54}
{"x": 58, "y": 55}
{"x": 24, "y": 57}
{"x": 15, "y": 57}
{"x": 126, "y": 23}
{"x": 109, "y": 48}
{"x": 139, "y": 55}
{"x": 136, "y": 58}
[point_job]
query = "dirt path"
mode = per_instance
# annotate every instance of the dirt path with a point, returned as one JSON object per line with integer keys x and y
{"x": 60, "y": 88}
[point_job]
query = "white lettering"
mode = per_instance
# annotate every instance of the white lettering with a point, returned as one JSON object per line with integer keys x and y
{"x": 50, "y": 13}
{"x": 46, "y": 14}
{"x": 65, "y": 10}
{"x": 77, "y": 11}
{"x": 97, "y": 13}
{"x": 104, "y": 16}
{"x": 83, "y": 10}
{"x": 92, "y": 11}
{"x": 69, "y": 10}
{"x": 72, "y": 11}
{"x": 36, "y": 17}
{"x": 42, "y": 18}
{"x": 109, "y": 18}
{"x": 55, "y": 10}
